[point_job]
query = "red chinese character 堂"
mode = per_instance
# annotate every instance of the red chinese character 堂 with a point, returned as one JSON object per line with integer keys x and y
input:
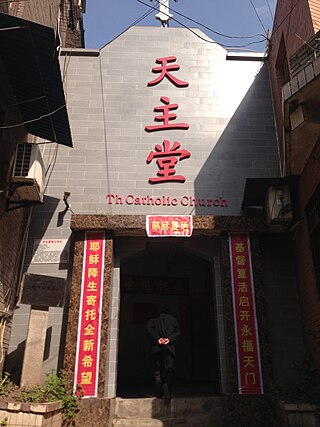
{"x": 167, "y": 158}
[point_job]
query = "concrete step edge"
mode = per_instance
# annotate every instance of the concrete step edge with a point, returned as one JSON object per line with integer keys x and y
{"x": 164, "y": 421}
{"x": 152, "y": 407}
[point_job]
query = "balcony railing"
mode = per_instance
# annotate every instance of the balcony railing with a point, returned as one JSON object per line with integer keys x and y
{"x": 309, "y": 52}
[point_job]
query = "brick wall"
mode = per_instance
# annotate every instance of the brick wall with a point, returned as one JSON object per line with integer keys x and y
{"x": 292, "y": 30}
{"x": 71, "y": 35}
{"x": 13, "y": 224}
{"x": 310, "y": 294}
{"x": 315, "y": 13}
{"x": 48, "y": 12}
{"x": 45, "y": 12}
{"x": 293, "y": 25}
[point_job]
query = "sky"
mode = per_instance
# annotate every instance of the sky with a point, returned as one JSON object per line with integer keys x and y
{"x": 106, "y": 19}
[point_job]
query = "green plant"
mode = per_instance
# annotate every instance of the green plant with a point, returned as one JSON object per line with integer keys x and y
{"x": 4, "y": 422}
{"x": 54, "y": 389}
{"x": 6, "y": 385}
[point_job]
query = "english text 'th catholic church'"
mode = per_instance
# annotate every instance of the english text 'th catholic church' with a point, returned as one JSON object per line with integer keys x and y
{"x": 171, "y": 194}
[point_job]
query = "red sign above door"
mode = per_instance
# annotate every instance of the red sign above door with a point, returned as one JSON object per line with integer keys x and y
{"x": 169, "y": 225}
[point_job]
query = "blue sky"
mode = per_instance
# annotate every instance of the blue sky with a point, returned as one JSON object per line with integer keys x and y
{"x": 105, "y": 19}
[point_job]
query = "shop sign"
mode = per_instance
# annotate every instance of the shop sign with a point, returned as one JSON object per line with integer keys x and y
{"x": 245, "y": 319}
{"x": 167, "y": 154}
{"x": 169, "y": 225}
{"x": 89, "y": 326}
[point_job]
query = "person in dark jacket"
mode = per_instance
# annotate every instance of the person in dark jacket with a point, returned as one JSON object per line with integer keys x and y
{"x": 164, "y": 330}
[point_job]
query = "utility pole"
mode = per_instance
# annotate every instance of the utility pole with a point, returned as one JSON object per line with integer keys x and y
{"x": 164, "y": 14}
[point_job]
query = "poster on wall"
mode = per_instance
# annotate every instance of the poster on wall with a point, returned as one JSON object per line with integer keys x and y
{"x": 50, "y": 251}
{"x": 245, "y": 318}
{"x": 90, "y": 311}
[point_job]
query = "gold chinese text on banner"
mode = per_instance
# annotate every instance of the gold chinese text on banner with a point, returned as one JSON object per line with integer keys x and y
{"x": 89, "y": 326}
{"x": 245, "y": 319}
{"x": 169, "y": 225}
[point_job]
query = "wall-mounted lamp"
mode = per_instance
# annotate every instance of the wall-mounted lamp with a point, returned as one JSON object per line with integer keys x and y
{"x": 66, "y": 196}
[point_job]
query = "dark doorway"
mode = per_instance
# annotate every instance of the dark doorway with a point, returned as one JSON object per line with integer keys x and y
{"x": 167, "y": 273}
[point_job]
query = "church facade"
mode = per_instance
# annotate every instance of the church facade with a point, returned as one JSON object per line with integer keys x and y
{"x": 154, "y": 204}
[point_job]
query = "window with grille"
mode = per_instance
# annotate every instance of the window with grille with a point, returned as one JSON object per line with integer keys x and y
{"x": 23, "y": 159}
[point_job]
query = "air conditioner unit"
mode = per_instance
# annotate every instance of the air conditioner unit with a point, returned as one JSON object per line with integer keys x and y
{"x": 278, "y": 204}
{"x": 27, "y": 182}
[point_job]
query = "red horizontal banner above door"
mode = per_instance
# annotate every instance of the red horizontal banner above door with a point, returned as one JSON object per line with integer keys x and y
{"x": 169, "y": 225}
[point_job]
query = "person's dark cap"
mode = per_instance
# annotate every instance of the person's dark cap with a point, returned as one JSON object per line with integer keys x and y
{"x": 163, "y": 308}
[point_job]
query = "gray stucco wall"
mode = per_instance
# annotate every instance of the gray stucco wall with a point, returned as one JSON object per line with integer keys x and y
{"x": 231, "y": 136}
{"x": 227, "y": 105}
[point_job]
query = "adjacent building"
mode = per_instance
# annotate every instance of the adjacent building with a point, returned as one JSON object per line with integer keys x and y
{"x": 294, "y": 70}
{"x": 32, "y": 107}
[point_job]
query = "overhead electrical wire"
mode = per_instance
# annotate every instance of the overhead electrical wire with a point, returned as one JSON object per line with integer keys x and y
{"x": 271, "y": 14}
{"x": 256, "y": 12}
{"x": 14, "y": 28}
{"x": 210, "y": 29}
{"x": 53, "y": 158}
{"x": 11, "y": 1}
{"x": 141, "y": 18}
{"x": 101, "y": 83}
{"x": 132, "y": 24}
{"x": 33, "y": 120}
{"x": 202, "y": 38}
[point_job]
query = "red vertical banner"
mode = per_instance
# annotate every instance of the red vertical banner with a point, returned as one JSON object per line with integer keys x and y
{"x": 245, "y": 319}
{"x": 89, "y": 325}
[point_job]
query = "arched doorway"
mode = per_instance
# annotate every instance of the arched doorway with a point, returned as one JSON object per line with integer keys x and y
{"x": 167, "y": 271}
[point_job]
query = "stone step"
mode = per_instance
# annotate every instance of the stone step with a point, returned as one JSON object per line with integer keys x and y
{"x": 164, "y": 422}
{"x": 152, "y": 408}
{"x": 137, "y": 422}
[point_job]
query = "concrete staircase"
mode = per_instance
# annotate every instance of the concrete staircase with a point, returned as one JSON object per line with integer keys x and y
{"x": 152, "y": 412}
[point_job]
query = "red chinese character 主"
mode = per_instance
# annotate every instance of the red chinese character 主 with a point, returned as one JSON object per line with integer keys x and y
{"x": 164, "y": 72}
{"x": 167, "y": 158}
{"x": 166, "y": 117}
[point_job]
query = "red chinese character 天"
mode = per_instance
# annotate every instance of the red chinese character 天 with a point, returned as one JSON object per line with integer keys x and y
{"x": 164, "y": 72}
{"x": 240, "y": 247}
{"x": 165, "y": 109}
{"x": 167, "y": 158}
